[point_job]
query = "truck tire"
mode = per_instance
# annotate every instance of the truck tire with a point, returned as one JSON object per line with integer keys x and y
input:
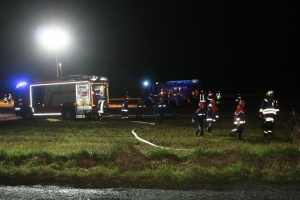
{"x": 69, "y": 114}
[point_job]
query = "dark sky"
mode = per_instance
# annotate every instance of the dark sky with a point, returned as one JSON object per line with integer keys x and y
{"x": 244, "y": 46}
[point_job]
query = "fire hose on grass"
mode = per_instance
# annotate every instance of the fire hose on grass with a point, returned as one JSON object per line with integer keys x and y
{"x": 147, "y": 142}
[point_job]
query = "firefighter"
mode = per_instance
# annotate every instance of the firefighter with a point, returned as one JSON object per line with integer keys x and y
{"x": 5, "y": 99}
{"x": 124, "y": 109}
{"x": 238, "y": 98}
{"x": 9, "y": 98}
{"x": 209, "y": 97}
{"x": 160, "y": 110}
{"x": 199, "y": 116}
{"x": 218, "y": 94}
{"x": 139, "y": 110}
{"x": 239, "y": 119}
{"x": 202, "y": 96}
{"x": 268, "y": 110}
{"x": 127, "y": 96}
{"x": 212, "y": 115}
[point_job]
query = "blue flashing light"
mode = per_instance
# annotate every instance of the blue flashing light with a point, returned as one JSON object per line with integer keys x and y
{"x": 21, "y": 84}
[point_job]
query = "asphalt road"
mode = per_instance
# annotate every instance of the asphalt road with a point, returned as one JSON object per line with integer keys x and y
{"x": 245, "y": 191}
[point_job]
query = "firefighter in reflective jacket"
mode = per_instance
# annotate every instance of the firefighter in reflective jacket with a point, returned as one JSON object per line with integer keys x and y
{"x": 238, "y": 98}
{"x": 218, "y": 95}
{"x": 199, "y": 116}
{"x": 139, "y": 110}
{"x": 202, "y": 96}
{"x": 124, "y": 109}
{"x": 239, "y": 119}
{"x": 160, "y": 110}
{"x": 212, "y": 115}
{"x": 268, "y": 110}
{"x": 209, "y": 97}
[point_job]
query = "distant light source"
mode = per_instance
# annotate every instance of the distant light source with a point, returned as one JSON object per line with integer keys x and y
{"x": 146, "y": 83}
{"x": 52, "y": 37}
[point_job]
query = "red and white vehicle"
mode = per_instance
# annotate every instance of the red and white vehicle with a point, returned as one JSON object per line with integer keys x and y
{"x": 175, "y": 93}
{"x": 74, "y": 96}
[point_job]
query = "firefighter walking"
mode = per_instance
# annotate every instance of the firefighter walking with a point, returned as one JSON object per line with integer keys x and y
{"x": 160, "y": 110}
{"x": 199, "y": 116}
{"x": 239, "y": 119}
{"x": 268, "y": 110}
{"x": 212, "y": 115}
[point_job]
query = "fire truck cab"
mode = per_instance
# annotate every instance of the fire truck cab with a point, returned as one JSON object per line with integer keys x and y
{"x": 74, "y": 96}
{"x": 174, "y": 93}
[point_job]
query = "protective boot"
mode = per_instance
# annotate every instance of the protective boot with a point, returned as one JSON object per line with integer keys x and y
{"x": 209, "y": 131}
{"x": 240, "y": 135}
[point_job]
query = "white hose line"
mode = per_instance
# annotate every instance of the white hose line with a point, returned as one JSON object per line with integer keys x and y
{"x": 147, "y": 142}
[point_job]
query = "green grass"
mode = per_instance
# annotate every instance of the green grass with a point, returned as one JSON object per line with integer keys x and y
{"x": 106, "y": 153}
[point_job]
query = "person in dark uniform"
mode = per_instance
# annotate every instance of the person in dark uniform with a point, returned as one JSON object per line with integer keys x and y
{"x": 268, "y": 110}
{"x": 160, "y": 110}
{"x": 124, "y": 109}
{"x": 239, "y": 119}
{"x": 212, "y": 115}
{"x": 139, "y": 110}
{"x": 199, "y": 116}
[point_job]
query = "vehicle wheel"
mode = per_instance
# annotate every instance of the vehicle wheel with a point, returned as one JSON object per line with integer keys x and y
{"x": 69, "y": 114}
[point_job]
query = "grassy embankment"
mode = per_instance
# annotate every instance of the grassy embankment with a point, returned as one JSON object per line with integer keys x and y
{"x": 107, "y": 154}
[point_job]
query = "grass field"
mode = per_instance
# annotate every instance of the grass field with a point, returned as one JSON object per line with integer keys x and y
{"x": 106, "y": 153}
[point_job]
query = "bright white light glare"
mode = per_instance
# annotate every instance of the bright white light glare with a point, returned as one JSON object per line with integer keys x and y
{"x": 146, "y": 83}
{"x": 52, "y": 37}
{"x": 21, "y": 84}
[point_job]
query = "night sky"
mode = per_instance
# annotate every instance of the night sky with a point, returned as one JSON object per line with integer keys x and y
{"x": 233, "y": 46}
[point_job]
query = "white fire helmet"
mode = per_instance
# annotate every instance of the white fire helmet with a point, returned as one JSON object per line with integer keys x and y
{"x": 270, "y": 92}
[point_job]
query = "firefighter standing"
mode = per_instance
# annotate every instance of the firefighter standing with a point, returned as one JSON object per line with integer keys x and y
{"x": 160, "y": 110}
{"x": 218, "y": 95}
{"x": 5, "y": 99}
{"x": 127, "y": 97}
{"x": 209, "y": 97}
{"x": 268, "y": 110}
{"x": 199, "y": 116}
{"x": 124, "y": 109}
{"x": 9, "y": 98}
{"x": 202, "y": 96}
{"x": 238, "y": 98}
{"x": 212, "y": 115}
{"x": 239, "y": 119}
{"x": 139, "y": 110}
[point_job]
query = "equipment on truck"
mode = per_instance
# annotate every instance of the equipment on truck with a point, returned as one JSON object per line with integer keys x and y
{"x": 174, "y": 93}
{"x": 74, "y": 96}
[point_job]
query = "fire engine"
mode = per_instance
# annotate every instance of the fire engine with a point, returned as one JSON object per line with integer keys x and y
{"x": 74, "y": 96}
{"x": 174, "y": 93}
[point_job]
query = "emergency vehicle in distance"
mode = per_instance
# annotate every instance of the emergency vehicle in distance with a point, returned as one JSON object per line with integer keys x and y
{"x": 73, "y": 96}
{"x": 174, "y": 93}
